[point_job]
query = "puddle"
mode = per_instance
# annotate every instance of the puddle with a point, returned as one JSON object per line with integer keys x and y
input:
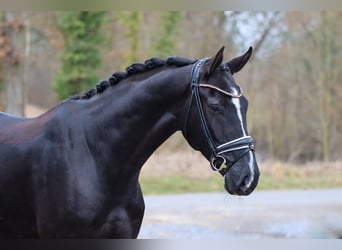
{"x": 162, "y": 231}
{"x": 314, "y": 214}
{"x": 156, "y": 231}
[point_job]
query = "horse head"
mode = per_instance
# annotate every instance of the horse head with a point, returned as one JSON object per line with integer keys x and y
{"x": 216, "y": 122}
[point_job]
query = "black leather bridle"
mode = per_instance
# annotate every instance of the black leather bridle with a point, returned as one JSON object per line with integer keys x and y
{"x": 246, "y": 143}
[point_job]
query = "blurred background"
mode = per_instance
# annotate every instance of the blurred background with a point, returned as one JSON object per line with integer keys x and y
{"x": 293, "y": 81}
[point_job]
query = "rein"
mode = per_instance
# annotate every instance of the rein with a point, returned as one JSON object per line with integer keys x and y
{"x": 217, "y": 161}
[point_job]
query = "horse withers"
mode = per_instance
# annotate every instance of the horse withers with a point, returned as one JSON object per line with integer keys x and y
{"x": 73, "y": 171}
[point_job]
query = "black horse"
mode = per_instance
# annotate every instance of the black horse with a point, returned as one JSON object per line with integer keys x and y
{"x": 73, "y": 171}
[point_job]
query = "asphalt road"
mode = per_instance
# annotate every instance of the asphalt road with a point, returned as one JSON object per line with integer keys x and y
{"x": 264, "y": 214}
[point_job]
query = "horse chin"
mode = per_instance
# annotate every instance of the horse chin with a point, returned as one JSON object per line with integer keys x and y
{"x": 236, "y": 185}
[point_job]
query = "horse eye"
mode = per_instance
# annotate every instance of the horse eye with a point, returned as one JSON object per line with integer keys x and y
{"x": 216, "y": 108}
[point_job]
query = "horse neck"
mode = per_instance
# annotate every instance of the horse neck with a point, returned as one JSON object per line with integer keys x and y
{"x": 134, "y": 118}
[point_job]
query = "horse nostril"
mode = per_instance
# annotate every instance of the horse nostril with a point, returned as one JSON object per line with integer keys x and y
{"x": 246, "y": 183}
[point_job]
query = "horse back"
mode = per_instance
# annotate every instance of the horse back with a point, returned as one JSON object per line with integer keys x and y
{"x": 17, "y": 130}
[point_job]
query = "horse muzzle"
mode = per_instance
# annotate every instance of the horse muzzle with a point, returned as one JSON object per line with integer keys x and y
{"x": 237, "y": 182}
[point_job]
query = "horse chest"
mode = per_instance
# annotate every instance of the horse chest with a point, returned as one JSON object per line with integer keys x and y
{"x": 115, "y": 222}
{"x": 89, "y": 216}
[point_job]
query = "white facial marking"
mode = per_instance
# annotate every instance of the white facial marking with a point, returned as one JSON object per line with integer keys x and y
{"x": 236, "y": 102}
{"x": 250, "y": 164}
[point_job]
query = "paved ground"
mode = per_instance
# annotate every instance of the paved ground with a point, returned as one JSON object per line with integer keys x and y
{"x": 263, "y": 214}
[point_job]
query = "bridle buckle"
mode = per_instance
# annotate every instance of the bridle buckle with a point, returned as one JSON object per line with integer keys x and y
{"x": 218, "y": 162}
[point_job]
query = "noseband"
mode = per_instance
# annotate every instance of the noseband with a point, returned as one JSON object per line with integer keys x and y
{"x": 246, "y": 143}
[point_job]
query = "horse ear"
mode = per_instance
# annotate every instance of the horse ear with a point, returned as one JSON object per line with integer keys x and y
{"x": 210, "y": 66}
{"x": 237, "y": 63}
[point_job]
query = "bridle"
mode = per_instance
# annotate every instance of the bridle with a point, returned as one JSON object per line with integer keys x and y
{"x": 246, "y": 143}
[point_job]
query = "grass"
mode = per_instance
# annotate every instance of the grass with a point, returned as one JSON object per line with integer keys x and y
{"x": 178, "y": 184}
{"x": 269, "y": 183}
{"x": 274, "y": 176}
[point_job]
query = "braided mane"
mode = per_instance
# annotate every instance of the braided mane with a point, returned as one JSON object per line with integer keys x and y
{"x": 133, "y": 69}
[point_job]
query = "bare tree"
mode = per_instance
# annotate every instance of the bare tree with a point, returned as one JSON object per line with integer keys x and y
{"x": 14, "y": 82}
